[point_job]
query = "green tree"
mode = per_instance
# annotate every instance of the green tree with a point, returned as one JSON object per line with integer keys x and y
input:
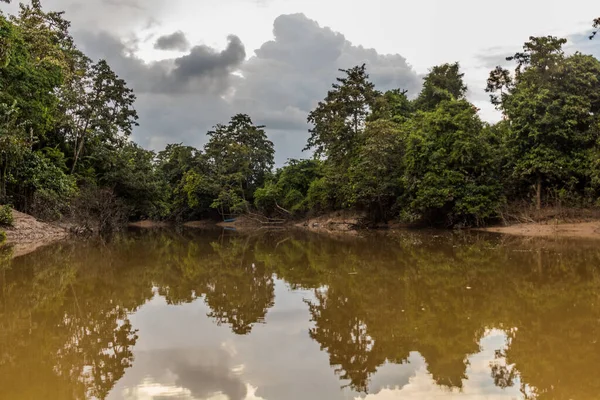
{"x": 443, "y": 82}
{"x": 450, "y": 167}
{"x": 240, "y": 156}
{"x": 104, "y": 110}
{"x": 393, "y": 106}
{"x": 376, "y": 172}
{"x": 13, "y": 145}
{"x": 339, "y": 119}
{"x": 552, "y": 107}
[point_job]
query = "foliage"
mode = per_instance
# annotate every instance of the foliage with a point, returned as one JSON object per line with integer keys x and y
{"x": 552, "y": 104}
{"x": 99, "y": 210}
{"x": 341, "y": 116}
{"x": 239, "y": 156}
{"x": 289, "y": 187}
{"x": 2, "y": 237}
{"x": 443, "y": 82}
{"x": 450, "y": 171}
{"x": 66, "y": 122}
{"x": 6, "y": 215}
{"x": 376, "y": 172}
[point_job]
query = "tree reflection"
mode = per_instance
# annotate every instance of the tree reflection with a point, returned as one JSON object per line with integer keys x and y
{"x": 64, "y": 310}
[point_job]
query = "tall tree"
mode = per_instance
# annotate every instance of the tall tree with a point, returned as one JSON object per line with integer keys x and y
{"x": 551, "y": 104}
{"x": 104, "y": 110}
{"x": 450, "y": 173}
{"x": 240, "y": 156}
{"x": 596, "y": 25}
{"x": 339, "y": 119}
{"x": 443, "y": 82}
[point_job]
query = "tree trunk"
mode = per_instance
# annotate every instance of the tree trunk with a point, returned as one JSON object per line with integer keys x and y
{"x": 3, "y": 181}
{"x": 78, "y": 150}
{"x": 538, "y": 193}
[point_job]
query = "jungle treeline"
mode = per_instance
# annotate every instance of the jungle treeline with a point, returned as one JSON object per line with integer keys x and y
{"x": 66, "y": 121}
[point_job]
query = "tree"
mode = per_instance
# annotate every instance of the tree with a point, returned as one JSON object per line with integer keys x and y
{"x": 596, "y": 25}
{"x": 393, "y": 106}
{"x": 376, "y": 172}
{"x": 339, "y": 119}
{"x": 450, "y": 173}
{"x": 239, "y": 156}
{"x": 443, "y": 82}
{"x": 552, "y": 107}
{"x": 13, "y": 145}
{"x": 133, "y": 176}
{"x": 104, "y": 109}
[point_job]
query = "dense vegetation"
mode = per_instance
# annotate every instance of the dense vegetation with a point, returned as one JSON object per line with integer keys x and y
{"x": 65, "y": 122}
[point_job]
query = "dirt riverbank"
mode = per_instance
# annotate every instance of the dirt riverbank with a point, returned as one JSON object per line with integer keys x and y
{"x": 28, "y": 234}
{"x": 347, "y": 222}
{"x": 587, "y": 230}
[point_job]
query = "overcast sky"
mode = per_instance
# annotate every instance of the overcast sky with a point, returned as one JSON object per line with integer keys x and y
{"x": 195, "y": 63}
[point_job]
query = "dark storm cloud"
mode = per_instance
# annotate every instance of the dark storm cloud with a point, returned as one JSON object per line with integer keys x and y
{"x": 203, "y": 60}
{"x": 180, "y": 99}
{"x": 203, "y": 70}
{"x": 175, "y": 41}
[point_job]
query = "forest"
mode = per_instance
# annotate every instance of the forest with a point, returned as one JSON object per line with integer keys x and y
{"x": 66, "y": 152}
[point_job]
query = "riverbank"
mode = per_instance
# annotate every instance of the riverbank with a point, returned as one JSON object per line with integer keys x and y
{"x": 586, "y": 230}
{"x": 350, "y": 223}
{"x": 28, "y": 234}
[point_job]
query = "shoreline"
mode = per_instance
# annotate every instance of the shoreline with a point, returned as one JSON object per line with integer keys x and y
{"x": 583, "y": 230}
{"x": 28, "y": 234}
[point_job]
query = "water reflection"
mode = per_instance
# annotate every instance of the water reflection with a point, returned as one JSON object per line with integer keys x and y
{"x": 286, "y": 315}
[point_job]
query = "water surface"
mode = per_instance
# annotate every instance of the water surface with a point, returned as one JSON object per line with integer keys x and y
{"x": 289, "y": 315}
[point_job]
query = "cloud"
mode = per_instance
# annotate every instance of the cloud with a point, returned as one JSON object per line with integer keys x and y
{"x": 203, "y": 70}
{"x": 205, "y": 61}
{"x": 180, "y": 99}
{"x": 175, "y": 41}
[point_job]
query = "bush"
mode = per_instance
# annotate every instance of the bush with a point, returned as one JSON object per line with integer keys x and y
{"x": 6, "y": 215}
{"x": 99, "y": 211}
{"x": 2, "y": 237}
{"x": 318, "y": 195}
{"x": 47, "y": 205}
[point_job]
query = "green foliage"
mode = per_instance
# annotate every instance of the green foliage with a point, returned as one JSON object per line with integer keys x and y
{"x": 444, "y": 82}
{"x": 2, "y": 237}
{"x": 266, "y": 197}
{"x": 450, "y": 171}
{"x": 318, "y": 197}
{"x": 376, "y": 171}
{"x": 339, "y": 119}
{"x": 135, "y": 180}
{"x": 289, "y": 187}
{"x": 239, "y": 157}
{"x": 553, "y": 103}
{"x": 6, "y": 215}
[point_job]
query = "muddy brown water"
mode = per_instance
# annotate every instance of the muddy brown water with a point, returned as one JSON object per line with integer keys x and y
{"x": 288, "y": 315}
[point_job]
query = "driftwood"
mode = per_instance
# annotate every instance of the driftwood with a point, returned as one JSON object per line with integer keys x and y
{"x": 264, "y": 220}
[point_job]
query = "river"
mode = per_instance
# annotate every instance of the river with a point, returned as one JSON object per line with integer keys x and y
{"x": 280, "y": 315}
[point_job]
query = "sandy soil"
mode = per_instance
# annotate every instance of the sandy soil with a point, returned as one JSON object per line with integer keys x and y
{"x": 149, "y": 224}
{"x": 28, "y": 234}
{"x": 200, "y": 224}
{"x": 337, "y": 222}
{"x": 588, "y": 230}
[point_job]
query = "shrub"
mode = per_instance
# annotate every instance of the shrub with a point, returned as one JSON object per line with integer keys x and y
{"x": 6, "y": 215}
{"x": 2, "y": 237}
{"x": 99, "y": 211}
{"x": 318, "y": 195}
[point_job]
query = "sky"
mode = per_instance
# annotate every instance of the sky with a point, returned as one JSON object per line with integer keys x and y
{"x": 196, "y": 63}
